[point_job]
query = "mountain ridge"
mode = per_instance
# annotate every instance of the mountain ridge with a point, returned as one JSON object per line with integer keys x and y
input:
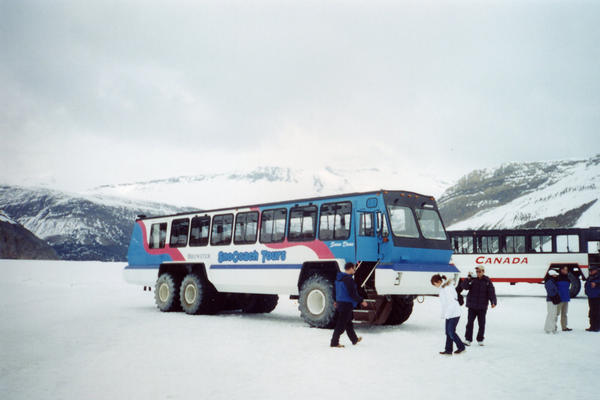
{"x": 76, "y": 226}
{"x": 16, "y": 242}
{"x": 525, "y": 195}
{"x": 96, "y": 224}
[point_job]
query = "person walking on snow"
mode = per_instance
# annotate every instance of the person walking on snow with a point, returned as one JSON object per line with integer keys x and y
{"x": 552, "y": 301}
{"x": 564, "y": 284}
{"x": 346, "y": 299}
{"x": 450, "y": 312}
{"x": 592, "y": 290}
{"x": 481, "y": 291}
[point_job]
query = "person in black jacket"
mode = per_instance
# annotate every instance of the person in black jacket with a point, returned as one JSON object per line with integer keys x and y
{"x": 481, "y": 291}
{"x": 592, "y": 289}
{"x": 346, "y": 299}
{"x": 552, "y": 300}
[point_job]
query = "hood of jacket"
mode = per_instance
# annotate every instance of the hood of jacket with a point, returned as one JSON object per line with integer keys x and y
{"x": 340, "y": 275}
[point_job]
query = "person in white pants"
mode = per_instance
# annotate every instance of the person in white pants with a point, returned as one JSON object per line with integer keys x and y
{"x": 552, "y": 301}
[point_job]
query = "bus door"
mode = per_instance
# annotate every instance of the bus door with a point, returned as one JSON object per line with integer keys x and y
{"x": 593, "y": 253}
{"x": 367, "y": 250}
{"x": 367, "y": 245}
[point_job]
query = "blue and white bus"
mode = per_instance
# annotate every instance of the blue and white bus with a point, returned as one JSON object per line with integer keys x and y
{"x": 244, "y": 257}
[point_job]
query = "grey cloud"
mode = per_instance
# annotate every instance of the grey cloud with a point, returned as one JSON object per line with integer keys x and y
{"x": 463, "y": 83}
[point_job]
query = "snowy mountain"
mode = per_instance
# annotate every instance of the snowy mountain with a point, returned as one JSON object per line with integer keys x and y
{"x": 18, "y": 243}
{"x": 268, "y": 184}
{"x": 96, "y": 225}
{"x": 78, "y": 227}
{"x": 526, "y": 195}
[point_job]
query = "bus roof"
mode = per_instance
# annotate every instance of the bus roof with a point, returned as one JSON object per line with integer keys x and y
{"x": 375, "y": 192}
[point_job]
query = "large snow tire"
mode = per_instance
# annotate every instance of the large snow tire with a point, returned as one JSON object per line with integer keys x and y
{"x": 316, "y": 302}
{"x": 260, "y": 303}
{"x": 166, "y": 293}
{"x": 401, "y": 310}
{"x": 198, "y": 296}
{"x": 575, "y": 286}
{"x": 269, "y": 302}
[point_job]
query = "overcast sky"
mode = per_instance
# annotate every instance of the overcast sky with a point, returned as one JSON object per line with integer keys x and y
{"x": 110, "y": 92}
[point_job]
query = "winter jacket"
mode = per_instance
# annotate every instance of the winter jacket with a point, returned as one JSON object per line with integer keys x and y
{"x": 593, "y": 293}
{"x": 481, "y": 290}
{"x": 564, "y": 283}
{"x": 449, "y": 302}
{"x": 345, "y": 289}
{"x": 551, "y": 290}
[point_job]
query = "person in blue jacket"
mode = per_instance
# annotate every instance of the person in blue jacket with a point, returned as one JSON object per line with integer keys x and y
{"x": 346, "y": 299}
{"x": 552, "y": 300}
{"x": 564, "y": 284}
{"x": 592, "y": 290}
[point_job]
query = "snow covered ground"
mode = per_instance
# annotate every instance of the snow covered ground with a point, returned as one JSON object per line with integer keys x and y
{"x": 75, "y": 330}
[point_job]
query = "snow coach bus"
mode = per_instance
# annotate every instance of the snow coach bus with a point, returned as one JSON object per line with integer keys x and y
{"x": 244, "y": 257}
{"x": 525, "y": 255}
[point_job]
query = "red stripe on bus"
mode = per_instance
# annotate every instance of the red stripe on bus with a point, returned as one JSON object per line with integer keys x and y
{"x": 174, "y": 253}
{"x": 514, "y": 280}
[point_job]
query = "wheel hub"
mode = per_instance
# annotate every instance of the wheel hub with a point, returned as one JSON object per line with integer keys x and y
{"x": 190, "y": 294}
{"x": 315, "y": 302}
{"x": 163, "y": 292}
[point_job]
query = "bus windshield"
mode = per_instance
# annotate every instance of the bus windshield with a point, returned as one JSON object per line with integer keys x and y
{"x": 431, "y": 224}
{"x": 402, "y": 221}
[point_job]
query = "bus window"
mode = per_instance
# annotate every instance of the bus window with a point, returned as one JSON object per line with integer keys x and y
{"x": 303, "y": 223}
{"x": 335, "y": 221}
{"x": 366, "y": 225}
{"x": 488, "y": 244}
{"x": 431, "y": 224}
{"x": 567, "y": 243}
{"x": 541, "y": 244}
{"x": 199, "y": 231}
{"x": 515, "y": 244}
{"x": 179, "y": 232}
{"x": 382, "y": 228}
{"x": 221, "y": 230}
{"x": 402, "y": 221}
{"x": 462, "y": 244}
{"x": 246, "y": 227}
{"x": 272, "y": 225}
{"x": 158, "y": 236}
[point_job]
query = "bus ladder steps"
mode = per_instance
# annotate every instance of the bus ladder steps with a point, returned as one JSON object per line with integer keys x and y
{"x": 370, "y": 273}
{"x": 377, "y": 311}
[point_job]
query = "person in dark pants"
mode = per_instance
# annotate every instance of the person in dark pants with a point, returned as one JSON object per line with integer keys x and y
{"x": 481, "y": 291}
{"x": 450, "y": 312}
{"x": 592, "y": 290}
{"x": 346, "y": 299}
{"x": 564, "y": 284}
